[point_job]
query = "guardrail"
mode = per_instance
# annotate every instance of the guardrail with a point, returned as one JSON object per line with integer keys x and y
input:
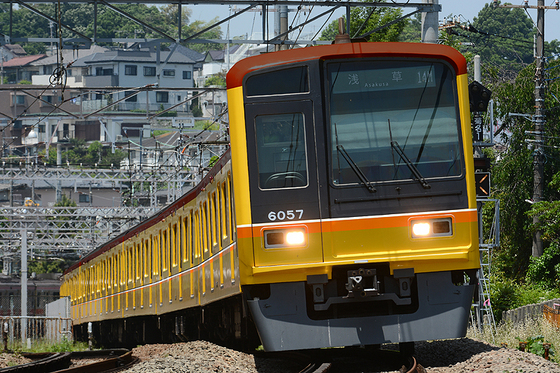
{"x": 34, "y": 329}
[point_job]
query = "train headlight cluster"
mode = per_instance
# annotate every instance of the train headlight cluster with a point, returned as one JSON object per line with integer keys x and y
{"x": 288, "y": 237}
{"x": 431, "y": 228}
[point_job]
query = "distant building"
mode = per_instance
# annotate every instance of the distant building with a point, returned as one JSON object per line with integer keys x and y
{"x": 41, "y": 289}
{"x": 21, "y": 68}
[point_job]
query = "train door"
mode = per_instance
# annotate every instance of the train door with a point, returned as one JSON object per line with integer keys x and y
{"x": 283, "y": 182}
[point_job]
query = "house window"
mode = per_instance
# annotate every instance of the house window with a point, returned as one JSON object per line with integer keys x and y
{"x": 131, "y": 98}
{"x": 84, "y": 198}
{"x": 162, "y": 96}
{"x": 18, "y": 100}
{"x": 41, "y": 128}
{"x": 168, "y": 72}
{"x": 186, "y": 75}
{"x": 130, "y": 70}
{"x": 149, "y": 71}
{"x": 48, "y": 99}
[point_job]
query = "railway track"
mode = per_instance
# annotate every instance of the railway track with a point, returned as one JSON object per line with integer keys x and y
{"x": 103, "y": 361}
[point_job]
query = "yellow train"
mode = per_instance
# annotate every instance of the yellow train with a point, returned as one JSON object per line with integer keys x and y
{"x": 353, "y": 220}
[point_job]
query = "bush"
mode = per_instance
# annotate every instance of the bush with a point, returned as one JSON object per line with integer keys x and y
{"x": 545, "y": 270}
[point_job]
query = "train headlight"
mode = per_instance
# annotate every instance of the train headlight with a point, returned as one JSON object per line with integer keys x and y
{"x": 282, "y": 238}
{"x": 431, "y": 228}
{"x": 420, "y": 229}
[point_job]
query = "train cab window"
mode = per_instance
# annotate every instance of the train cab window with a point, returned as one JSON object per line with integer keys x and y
{"x": 281, "y": 154}
{"x": 393, "y": 120}
{"x": 287, "y": 81}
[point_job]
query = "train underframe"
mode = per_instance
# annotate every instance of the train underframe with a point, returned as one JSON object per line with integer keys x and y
{"x": 225, "y": 322}
{"x": 362, "y": 306}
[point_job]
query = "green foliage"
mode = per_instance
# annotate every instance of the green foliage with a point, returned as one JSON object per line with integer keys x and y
{"x": 510, "y": 36}
{"x": 65, "y": 202}
{"x": 110, "y": 24}
{"x": 412, "y": 31}
{"x": 206, "y": 125}
{"x": 506, "y": 294}
{"x": 535, "y": 346}
{"x": 213, "y": 161}
{"x": 512, "y": 174}
{"x": 95, "y": 153}
{"x": 47, "y": 266}
{"x": 363, "y": 20}
{"x": 46, "y": 346}
{"x": 214, "y": 33}
{"x": 25, "y": 82}
{"x": 215, "y": 80}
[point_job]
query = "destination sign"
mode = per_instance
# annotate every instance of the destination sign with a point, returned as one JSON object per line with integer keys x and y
{"x": 383, "y": 79}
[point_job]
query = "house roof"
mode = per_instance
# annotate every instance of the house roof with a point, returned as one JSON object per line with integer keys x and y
{"x": 193, "y": 55}
{"x": 16, "y": 49}
{"x": 138, "y": 56}
{"x": 69, "y": 55}
{"x": 23, "y": 61}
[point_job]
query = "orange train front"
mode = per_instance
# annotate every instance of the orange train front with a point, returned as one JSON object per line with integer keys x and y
{"x": 354, "y": 193}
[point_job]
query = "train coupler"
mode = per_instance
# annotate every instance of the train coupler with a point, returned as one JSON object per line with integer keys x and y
{"x": 362, "y": 283}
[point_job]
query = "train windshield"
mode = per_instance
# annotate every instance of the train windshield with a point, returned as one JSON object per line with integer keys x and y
{"x": 393, "y": 120}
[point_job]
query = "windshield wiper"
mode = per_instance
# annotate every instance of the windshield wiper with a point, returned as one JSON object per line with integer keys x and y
{"x": 395, "y": 145}
{"x": 368, "y": 184}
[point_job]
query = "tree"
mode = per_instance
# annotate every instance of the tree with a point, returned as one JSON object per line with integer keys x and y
{"x": 512, "y": 173}
{"x": 363, "y": 20}
{"x": 503, "y": 37}
{"x": 197, "y": 26}
{"x": 216, "y": 80}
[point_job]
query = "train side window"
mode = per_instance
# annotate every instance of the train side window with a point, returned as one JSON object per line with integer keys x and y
{"x": 173, "y": 245}
{"x": 286, "y": 81}
{"x": 281, "y": 151}
{"x": 215, "y": 223}
{"x": 138, "y": 261}
{"x": 197, "y": 234}
{"x": 185, "y": 241}
{"x": 156, "y": 253}
{"x": 205, "y": 229}
{"x": 147, "y": 260}
{"x": 231, "y": 209}
{"x": 163, "y": 248}
{"x": 223, "y": 211}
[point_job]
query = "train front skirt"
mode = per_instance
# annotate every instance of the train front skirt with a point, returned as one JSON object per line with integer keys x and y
{"x": 283, "y": 323}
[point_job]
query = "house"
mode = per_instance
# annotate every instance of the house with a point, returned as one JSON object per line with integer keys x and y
{"x": 164, "y": 71}
{"x": 74, "y": 74}
{"x": 9, "y": 51}
{"x": 20, "y": 68}
{"x": 97, "y": 193}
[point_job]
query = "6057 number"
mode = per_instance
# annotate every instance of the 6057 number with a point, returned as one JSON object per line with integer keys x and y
{"x": 285, "y": 215}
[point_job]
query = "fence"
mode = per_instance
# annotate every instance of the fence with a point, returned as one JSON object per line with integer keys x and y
{"x": 529, "y": 311}
{"x": 35, "y": 329}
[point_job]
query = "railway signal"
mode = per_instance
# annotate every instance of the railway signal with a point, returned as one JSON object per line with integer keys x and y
{"x": 482, "y": 182}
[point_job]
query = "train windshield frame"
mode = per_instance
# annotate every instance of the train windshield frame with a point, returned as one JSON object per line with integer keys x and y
{"x": 393, "y": 121}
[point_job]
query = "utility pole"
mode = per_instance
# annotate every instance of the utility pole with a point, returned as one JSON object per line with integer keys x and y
{"x": 539, "y": 119}
{"x": 430, "y": 24}
{"x": 539, "y": 116}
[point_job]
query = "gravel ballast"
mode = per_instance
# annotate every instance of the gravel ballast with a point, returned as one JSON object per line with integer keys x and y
{"x": 451, "y": 356}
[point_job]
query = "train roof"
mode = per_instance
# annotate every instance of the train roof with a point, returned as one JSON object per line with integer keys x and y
{"x": 335, "y": 51}
{"x": 162, "y": 214}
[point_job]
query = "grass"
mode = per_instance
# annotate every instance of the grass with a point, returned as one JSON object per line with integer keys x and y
{"x": 535, "y": 331}
{"x": 47, "y": 346}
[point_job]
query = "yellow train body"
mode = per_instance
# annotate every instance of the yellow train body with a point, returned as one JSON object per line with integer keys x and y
{"x": 225, "y": 257}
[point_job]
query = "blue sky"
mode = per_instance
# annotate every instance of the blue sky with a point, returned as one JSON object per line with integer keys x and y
{"x": 467, "y": 9}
